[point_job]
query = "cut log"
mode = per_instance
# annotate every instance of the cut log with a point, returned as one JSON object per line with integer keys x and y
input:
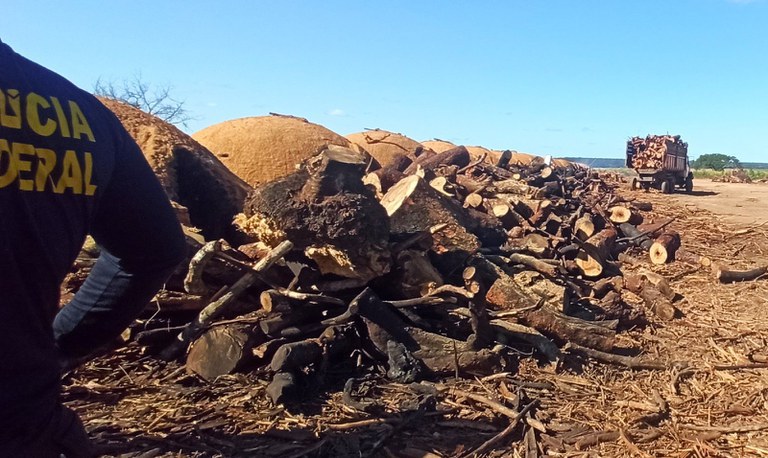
{"x": 504, "y": 159}
{"x": 441, "y": 185}
{"x": 545, "y": 268}
{"x": 223, "y": 303}
{"x": 383, "y": 179}
{"x": 595, "y": 252}
{"x": 691, "y": 258}
{"x": 296, "y": 356}
{"x": 482, "y": 335}
{"x": 653, "y": 298}
{"x": 642, "y": 206}
{"x": 619, "y": 214}
{"x": 537, "y": 244}
{"x": 536, "y": 301}
{"x": 584, "y": 227}
{"x": 663, "y": 249}
{"x": 473, "y": 200}
{"x": 221, "y": 350}
{"x": 553, "y": 225}
{"x": 504, "y": 214}
{"x": 471, "y": 184}
{"x": 413, "y": 206}
{"x": 660, "y": 282}
{"x": 458, "y": 156}
{"x": 605, "y": 285}
{"x": 541, "y": 213}
{"x": 569, "y": 329}
{"x": 516, "y": 187}
{"x": 730, "y": 276}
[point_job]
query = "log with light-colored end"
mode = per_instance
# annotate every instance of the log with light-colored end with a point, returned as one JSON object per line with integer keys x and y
{"x": 537, "y": 243}
{"x": 473, "y": 200}
{"x": 543, "y": 209}
{"x": 584, "y": 227}
{"x": 441, "y": 185}
{"x": 413, "y": 206}
{"x": 597, "y": 249}
{"x": 663, "y": 249}
{"x": 619, "y": 214}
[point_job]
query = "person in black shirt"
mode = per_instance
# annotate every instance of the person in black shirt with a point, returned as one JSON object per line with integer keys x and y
{"x": 67, "y": 169}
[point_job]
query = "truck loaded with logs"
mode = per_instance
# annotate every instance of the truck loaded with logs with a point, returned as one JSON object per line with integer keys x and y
{"x": 661, "y": 161}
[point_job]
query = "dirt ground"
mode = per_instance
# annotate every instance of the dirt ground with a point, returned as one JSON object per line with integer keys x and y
{"x": 706, "y": 395}
{"x": 738, "y": 203}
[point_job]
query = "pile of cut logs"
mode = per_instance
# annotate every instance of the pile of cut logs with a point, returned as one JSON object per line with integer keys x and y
{"x": 733, "y": 176}
{"x": 648, "y": 152}
{"x": 440, "y": 265}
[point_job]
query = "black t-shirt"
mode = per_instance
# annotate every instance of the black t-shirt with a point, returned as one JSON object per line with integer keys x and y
{"x": 67, "y": 168}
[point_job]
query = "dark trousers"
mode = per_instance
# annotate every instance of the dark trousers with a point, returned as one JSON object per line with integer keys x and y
{"x": 61, "y": 434}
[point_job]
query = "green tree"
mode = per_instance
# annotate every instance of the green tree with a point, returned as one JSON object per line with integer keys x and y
{"x": 716, "y": 161}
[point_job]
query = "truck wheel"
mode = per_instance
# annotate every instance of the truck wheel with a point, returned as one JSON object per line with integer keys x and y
{"x": 635, "y": 184}
{"x": 665, "y": 187}
{"x": 688, "y": 184}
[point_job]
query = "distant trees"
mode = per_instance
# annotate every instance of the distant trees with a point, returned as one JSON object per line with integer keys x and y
{"x": 140, "y": 94}
{"x": 716, "y": 161}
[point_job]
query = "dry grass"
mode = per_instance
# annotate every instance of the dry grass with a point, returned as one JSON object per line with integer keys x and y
{"x": 711, "y": 401}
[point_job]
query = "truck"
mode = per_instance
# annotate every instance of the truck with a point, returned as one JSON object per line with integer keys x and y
{"x": 661, "y": 162}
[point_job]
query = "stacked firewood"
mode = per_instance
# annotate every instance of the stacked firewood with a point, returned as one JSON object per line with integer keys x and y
{"x": 648, "y": 152}
{"x": 733, "y": 176}
{"x": 437, "y": 265}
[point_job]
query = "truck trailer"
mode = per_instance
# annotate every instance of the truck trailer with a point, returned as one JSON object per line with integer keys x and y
{"x": 660, "y": 161}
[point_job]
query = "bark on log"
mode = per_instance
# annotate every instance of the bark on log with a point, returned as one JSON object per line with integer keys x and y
{"x": 438, "y": 353}
{"x": 570, "y": 329}
{"x": 636, "y": 236}
{"x": 458, "y": 156}
{"x": 692, "y": 258}
{"x": 663, "y": 249}
{"x": 595, "y": 252}
{"x": 413, "y": 206}
{"x": 653, "y": 298}
{"x": 724, "y": 275}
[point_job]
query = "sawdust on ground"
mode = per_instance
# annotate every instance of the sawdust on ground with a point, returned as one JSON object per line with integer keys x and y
{"x": 738, "y": 203}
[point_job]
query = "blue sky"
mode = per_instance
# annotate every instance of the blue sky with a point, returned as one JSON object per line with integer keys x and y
{"x": 560, "y": 77}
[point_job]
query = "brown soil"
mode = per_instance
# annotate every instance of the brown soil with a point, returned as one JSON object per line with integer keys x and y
{"x": 260, "y": 149}
{"x": 738, "y": 203}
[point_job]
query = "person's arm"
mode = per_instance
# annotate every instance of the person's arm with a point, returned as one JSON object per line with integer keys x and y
{"x": 141, "y": 243}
